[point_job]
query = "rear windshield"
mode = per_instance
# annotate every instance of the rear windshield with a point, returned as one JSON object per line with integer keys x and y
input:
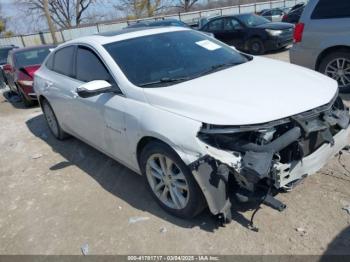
{"x": 31, "y": 57}
{"x": 174, "y": 55}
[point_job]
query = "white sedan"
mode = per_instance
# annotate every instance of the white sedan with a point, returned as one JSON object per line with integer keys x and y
{"x": 192, "y": 114}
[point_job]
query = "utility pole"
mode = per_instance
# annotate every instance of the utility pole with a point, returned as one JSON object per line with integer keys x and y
{"x": 49, "y": 21}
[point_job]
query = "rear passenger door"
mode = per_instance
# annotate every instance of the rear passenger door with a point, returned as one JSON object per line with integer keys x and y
{"x": 59, "y": 84}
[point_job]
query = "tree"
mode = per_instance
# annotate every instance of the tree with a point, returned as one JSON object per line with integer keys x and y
{"x": 3, "y": 27}
{"x": 49, "y": 21}
{"x": 63, "y": 13}
{"x": 186, "y": 5}
{"x": 139, "y": 8}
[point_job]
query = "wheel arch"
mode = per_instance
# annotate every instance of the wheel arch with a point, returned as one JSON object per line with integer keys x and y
{"x": 146, "y": 140}
{"x": 41, "y": 99}
{"x": 328, "y": 51}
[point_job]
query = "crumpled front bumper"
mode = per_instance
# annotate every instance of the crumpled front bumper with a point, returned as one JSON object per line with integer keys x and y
{"x": 253, "y": 166}
{"x": 310, "y": 164}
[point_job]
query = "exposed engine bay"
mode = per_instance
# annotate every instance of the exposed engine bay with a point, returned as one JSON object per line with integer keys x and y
{"x": 273, "y": 156}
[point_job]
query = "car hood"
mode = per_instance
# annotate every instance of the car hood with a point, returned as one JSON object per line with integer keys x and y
{"x": 258, "y": 91}
{"x": 276, "y": 26}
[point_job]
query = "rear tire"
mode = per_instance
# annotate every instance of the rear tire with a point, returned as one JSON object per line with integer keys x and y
{"x": 175, "y": 190}
{"x": 337, "y": 66}
{"x": 256, "y": 46}
{"x": 52, "y": 122}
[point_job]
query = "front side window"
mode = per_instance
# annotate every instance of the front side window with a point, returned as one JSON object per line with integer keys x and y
{"x": 90, "y": 67}
{"x": 63, "y": 62}
{"x": 327, "y": 9}
{"x": 163, "y": 59}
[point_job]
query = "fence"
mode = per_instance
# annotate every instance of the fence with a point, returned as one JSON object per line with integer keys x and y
{"x": 189, "y": 17}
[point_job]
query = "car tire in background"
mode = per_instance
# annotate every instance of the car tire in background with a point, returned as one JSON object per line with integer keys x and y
{"x": 170, "y": 181}
{"x": 27, "y": 103}
{"x": 52, "y": 122}
{"x": 256, "y": 46}
{"x": 337, "y": 66}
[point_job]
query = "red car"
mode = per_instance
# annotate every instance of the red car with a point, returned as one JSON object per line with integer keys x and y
{"x": 20, "y": 68}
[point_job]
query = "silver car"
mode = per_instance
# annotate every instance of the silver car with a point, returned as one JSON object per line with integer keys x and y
{"x": 322, "y": 40}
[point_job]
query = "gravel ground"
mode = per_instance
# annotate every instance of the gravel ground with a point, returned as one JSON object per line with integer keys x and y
{"x": 57, "y": 196}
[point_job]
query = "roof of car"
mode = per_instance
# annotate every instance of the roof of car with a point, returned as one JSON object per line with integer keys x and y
{"x": 123, "y": 31}
{"x": 19, "y": 50}
{"x": 8, "y": 47}
{"x": 124, "y": 34}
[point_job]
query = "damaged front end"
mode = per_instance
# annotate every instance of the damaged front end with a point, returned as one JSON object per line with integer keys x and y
{"x": 275, "y": 155}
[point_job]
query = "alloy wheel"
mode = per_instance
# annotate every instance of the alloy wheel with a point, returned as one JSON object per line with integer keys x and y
{"x": 339, "y": 70}
{"x": 167, "y": 181}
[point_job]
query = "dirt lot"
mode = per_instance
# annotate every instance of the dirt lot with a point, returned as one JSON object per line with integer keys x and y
{"x": 56, "y": 196}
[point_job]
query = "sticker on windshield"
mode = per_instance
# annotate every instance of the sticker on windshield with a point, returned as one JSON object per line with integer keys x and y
{"x": 209, "y": 45}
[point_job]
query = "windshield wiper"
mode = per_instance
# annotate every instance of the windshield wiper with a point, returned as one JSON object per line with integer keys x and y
{"x": 165, "y": 80}
{"x": 218, "y": 67}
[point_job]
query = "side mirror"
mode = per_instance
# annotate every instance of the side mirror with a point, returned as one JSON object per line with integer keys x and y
{"x": 94, "y": 88}
{"x": 7, "y": 67}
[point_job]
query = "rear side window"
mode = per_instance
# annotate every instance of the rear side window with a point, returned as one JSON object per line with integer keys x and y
{"x": 49, "y": 62}
{"x": 63, "y": 62}
{"x": 327, "y": 9}
{"x": 90, "y": 67}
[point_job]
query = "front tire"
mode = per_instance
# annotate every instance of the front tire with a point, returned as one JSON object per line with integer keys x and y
{"x": 170, "y": 181}
{"x": 52, "y": 122}
{"x": 337, "y": 66}
{"x": 256, "y": 46}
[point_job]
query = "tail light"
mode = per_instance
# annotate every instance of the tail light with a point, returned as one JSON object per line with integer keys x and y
{"x": 285, "y": 17}
{"x": 298, "y": 32}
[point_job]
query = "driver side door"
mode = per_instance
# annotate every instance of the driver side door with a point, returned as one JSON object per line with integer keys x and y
{"x": 233, "y": 32}
{"x": 99, "y": 119}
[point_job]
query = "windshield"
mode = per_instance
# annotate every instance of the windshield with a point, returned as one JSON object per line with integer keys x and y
{"x": 31, "y": 57}
{"x": 3, "y": 55}
{"x": 164, "y": 59}
{"x": 251, "y": 20}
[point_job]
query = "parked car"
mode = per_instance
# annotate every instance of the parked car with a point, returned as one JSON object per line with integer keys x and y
{"x": 322, "y": 40}
{"x": 251, "y": 33}
{"x": 20, "y": 68}
{"x": 183, "y": 110}
{"x": 274, "y": 14}
{"x": 4, "y": 50}
{"x": 163, "y": 22}
{"x": 293, "y": 16}
{"x": 297, "y": 6}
